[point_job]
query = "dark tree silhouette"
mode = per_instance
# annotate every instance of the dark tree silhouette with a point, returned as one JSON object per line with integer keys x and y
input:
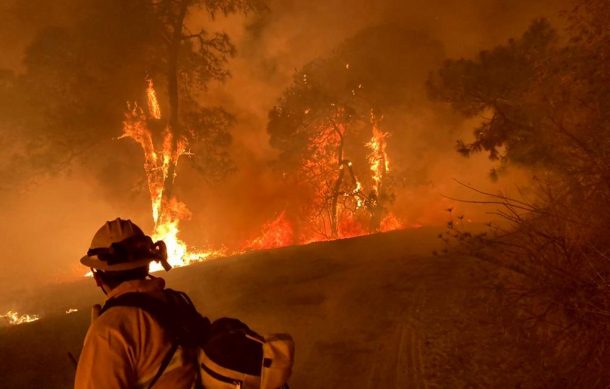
{"x": 545, "y": 106}
{"x": 501, "y": 81}
{"x": 78, "y": 75}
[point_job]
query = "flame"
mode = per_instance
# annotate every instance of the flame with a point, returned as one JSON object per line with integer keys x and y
{"x": 391, "y": 222}
{"x": 153, "y": 102}
{"x": 324, "y": 167}
{"x": 166, "y": 213}
{"x": 277, "y": 233}
{"x": 14, "y": 318}
{"x": 71, "y": 310}
{"x": 378, "y": 157}
{"x": 350, "y": 226}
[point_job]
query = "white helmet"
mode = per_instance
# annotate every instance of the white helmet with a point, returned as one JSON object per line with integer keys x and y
{"x": 121, "y": 245}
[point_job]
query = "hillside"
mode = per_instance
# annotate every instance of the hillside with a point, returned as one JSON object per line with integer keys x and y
{"x": 371, "y": 312}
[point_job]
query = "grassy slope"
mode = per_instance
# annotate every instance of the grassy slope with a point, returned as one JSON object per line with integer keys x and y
{"x": 371, "y": 312}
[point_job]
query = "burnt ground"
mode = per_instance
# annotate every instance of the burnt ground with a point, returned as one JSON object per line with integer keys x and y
{"x": 370, "y": 312}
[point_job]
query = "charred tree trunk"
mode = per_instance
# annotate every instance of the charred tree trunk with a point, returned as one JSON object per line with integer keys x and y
{"x": 375, "y": 205}
{"x": 174, "y": 125}
{"x": 377, "y": 211}
{"x": 334, "y": 228}
{"x": 334, "y": 223}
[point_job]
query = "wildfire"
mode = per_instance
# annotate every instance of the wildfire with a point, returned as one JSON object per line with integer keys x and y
{"x": 14, "y": 318}
{"x": 153, "y": 103}
{"x": 378, "y": 157}
{"x": 277, "y": 233}
{"x": 166, "y": 213}
{"x": 390, "y": 223}
{"x": 340, "y": 206}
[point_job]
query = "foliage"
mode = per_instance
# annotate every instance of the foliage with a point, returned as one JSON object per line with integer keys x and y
{"x": 501, "y": 81}
{"x": 552, "y": 117}
{"x": 554, "y": 266}
{"x": 322, "y": 122}
{"x": 78, "y": 75}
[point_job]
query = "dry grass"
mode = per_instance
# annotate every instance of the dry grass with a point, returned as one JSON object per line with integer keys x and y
{"x": 554, "y": 266}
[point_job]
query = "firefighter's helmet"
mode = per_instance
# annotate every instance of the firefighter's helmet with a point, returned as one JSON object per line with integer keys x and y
{"x": 121, "y": 245}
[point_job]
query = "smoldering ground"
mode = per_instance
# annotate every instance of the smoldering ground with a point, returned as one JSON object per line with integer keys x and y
{"x": 47, "y": 222}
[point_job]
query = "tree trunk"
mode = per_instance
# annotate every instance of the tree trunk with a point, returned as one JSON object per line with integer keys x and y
{"x": 174, "y": 101}
{"x": 334, "y": 228}
{"x": 334, "y": 223}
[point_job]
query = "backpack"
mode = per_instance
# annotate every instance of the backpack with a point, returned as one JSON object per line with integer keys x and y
{"x": 230, "y": 354}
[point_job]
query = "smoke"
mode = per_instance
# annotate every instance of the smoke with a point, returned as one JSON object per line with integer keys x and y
{"x": 274, "y": 46}
{"x": 47, "y": 226}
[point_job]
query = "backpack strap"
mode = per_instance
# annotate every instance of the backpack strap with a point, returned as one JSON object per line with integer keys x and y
{"x": 166, "y": 360}
{"x": 159, "y": 310}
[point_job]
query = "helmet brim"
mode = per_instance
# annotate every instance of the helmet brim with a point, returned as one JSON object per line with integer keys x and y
{"x": 94, "y": 262}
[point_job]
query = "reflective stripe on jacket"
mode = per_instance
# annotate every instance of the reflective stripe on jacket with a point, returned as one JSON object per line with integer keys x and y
{"x": 125, "y": 347}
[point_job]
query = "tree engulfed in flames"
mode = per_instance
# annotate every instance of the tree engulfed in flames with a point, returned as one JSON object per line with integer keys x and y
{"x": 339, "y": 207}
{"x": 167, "y": 212}
{"x": 378, "y": 157}
{"x": 379, "y": 164}
{"x": 331, "y": 179}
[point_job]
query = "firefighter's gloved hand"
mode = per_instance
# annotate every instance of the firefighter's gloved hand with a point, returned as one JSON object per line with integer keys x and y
{"x": 95, "y": 312}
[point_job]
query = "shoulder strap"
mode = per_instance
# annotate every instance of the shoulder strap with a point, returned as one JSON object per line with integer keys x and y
{"x": 155, "y": 307}
{"x": 158, "y": 310}
{"x": 166, "y": 360}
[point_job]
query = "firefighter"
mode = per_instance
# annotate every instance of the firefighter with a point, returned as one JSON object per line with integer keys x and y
{"x": 125, "y": 346}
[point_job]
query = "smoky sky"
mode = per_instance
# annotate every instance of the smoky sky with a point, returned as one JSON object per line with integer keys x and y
{"x": 47, "y": 225}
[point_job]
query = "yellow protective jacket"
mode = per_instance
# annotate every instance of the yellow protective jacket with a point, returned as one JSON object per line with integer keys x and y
{"x": 125, "y": 346}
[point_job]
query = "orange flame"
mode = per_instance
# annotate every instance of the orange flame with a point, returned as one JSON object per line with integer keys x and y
{"x": 166, "y": 214}
{"x": 320, "y": 168}
{"x": 153, "y": 103}
{"x": 390, "y": 223}
{"x": 350, "y": 226}
{"x": 14, "y": 318}
{"x": 277, "y": 233}
{"x": 378, "y": 157}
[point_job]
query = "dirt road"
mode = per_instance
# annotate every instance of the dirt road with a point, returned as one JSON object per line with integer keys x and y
{"x": 371, "y": 312}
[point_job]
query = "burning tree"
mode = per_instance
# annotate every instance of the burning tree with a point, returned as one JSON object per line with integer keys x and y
{"x": 330, "y": 171}
{"x": 323, "y": 138}
{"x": 339, "y": 123}
{"x": 192, "y": 60}
{"x": 379, "y": 163}
{"x": 79, "y": 75}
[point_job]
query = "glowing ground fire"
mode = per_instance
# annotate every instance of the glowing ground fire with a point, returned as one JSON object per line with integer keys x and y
{"x": 15, "y": 318}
